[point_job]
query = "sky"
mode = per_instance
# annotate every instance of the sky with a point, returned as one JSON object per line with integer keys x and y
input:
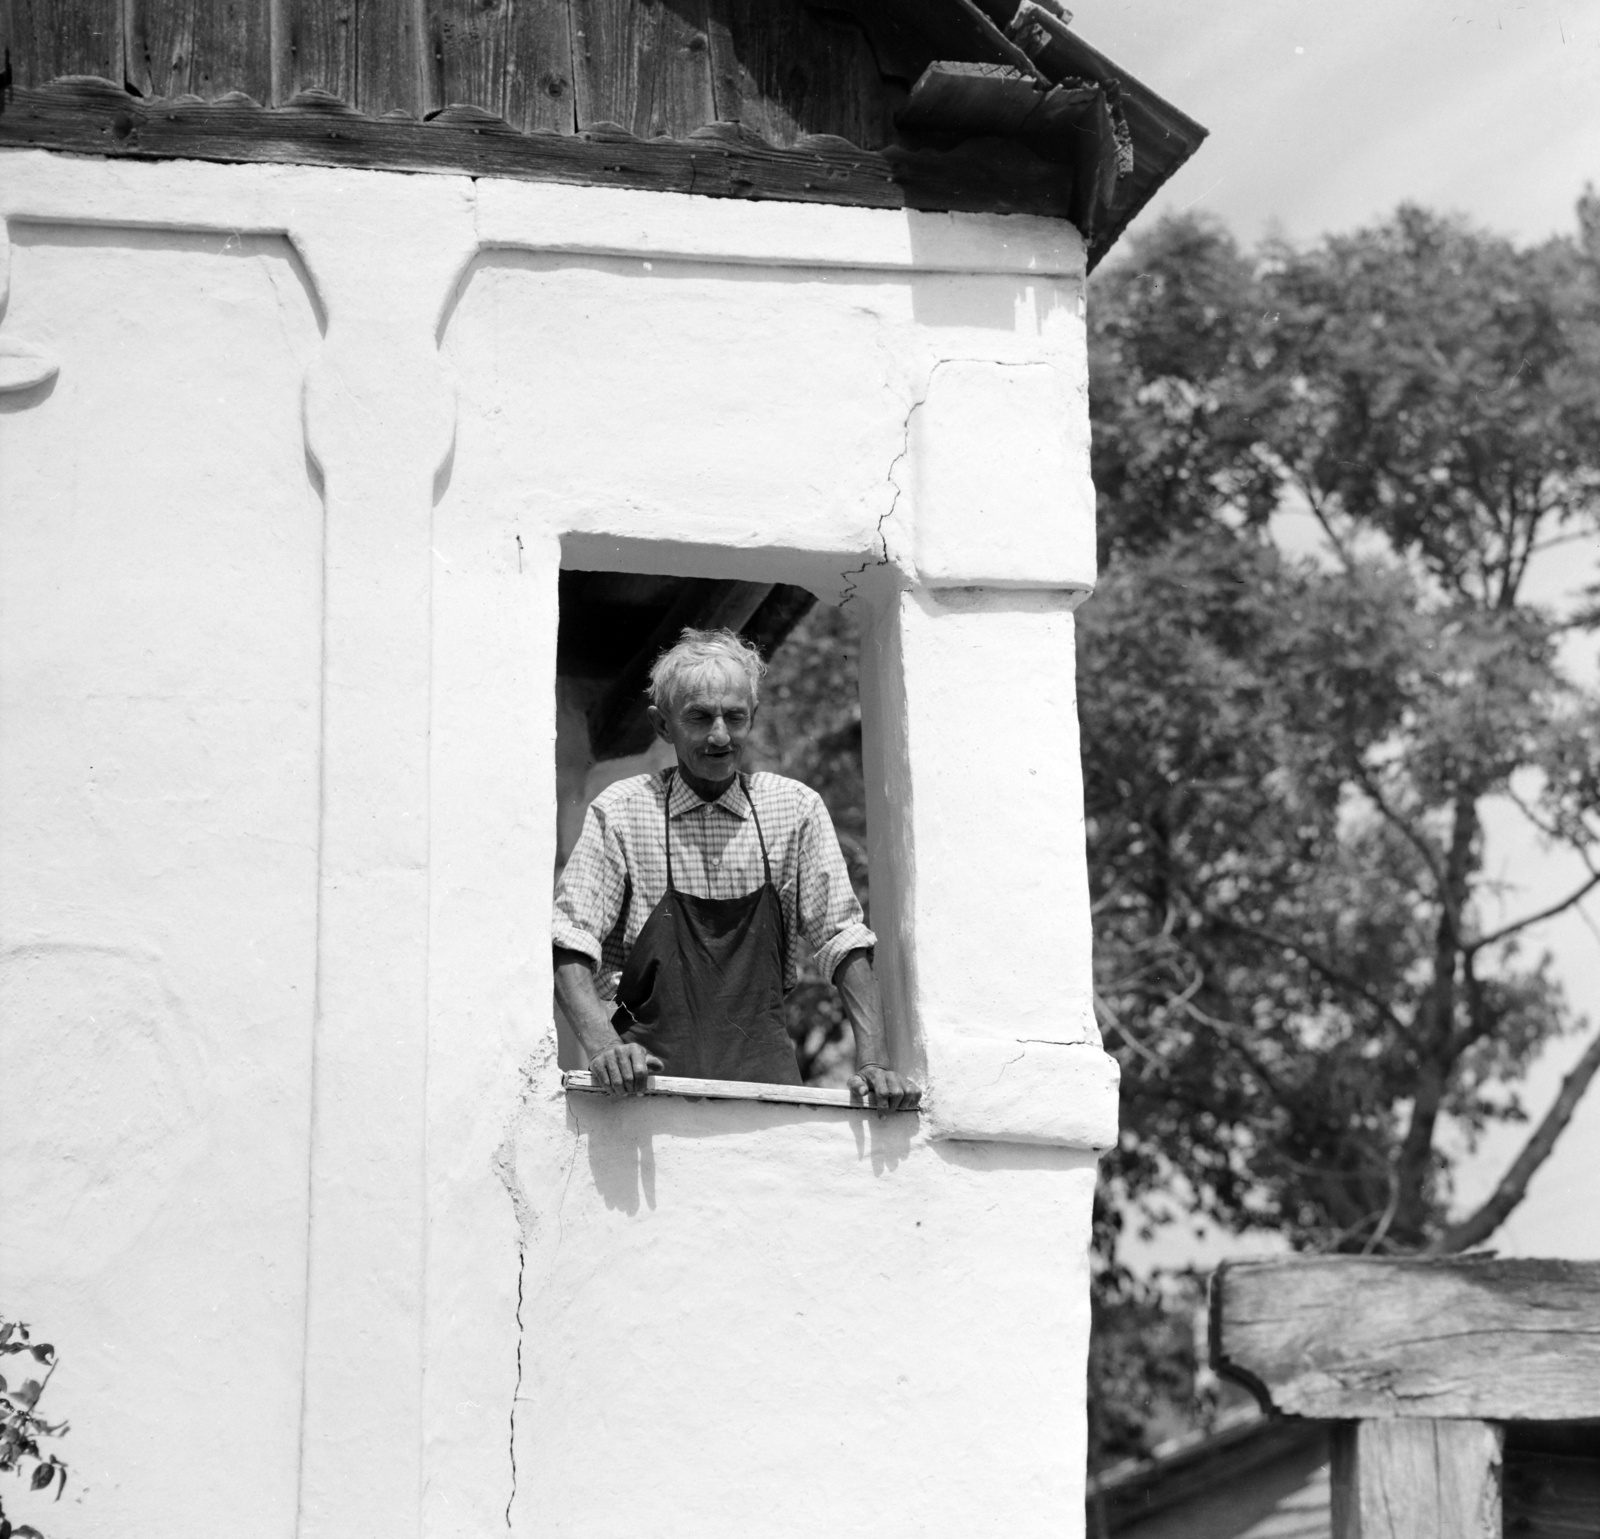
{"x": 1324, "y": 116}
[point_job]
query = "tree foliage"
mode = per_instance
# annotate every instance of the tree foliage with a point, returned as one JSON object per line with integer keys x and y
{"x": 1304, "y": 964}
{"x": 809, "y": 726}
{"x": 21, "y": 1427}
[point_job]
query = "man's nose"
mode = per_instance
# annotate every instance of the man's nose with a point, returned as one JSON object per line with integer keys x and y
{"x": 719, "y": 732}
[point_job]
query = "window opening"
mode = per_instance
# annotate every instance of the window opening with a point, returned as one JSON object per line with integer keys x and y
{"x": 613, "y": 627}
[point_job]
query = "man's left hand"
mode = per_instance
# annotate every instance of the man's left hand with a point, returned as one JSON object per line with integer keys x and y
{"x": 884, "y": 1088}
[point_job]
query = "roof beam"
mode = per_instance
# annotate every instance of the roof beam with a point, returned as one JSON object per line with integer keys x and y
{"x": 1347, "y": 1338}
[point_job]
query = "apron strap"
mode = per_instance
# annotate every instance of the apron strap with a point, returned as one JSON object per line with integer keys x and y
{"x": 766, "y": 860}
{"x": 766, "y": 864}
{"x": 666, "y": 813}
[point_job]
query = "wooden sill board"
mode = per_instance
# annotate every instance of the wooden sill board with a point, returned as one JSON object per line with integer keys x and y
{"x": 726, "y": 1090}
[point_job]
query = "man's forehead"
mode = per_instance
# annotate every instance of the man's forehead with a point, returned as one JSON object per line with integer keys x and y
{"x": 719, "y": 694}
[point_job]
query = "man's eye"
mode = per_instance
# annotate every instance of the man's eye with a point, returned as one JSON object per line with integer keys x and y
{"x": 735, "y": 718}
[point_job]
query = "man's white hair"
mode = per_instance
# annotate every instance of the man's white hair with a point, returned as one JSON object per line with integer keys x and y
{"x": 697, "y": 656}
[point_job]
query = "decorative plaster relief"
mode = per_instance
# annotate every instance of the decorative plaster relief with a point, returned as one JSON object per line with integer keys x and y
{"x": 717, "y": 415}
{"x": 23, "y": 364}
{"x": 160, "y": 617}
{"x": 1023, "y": 1092}
{"x": 1001, "y": 478}
{"x": 435, "y": 843}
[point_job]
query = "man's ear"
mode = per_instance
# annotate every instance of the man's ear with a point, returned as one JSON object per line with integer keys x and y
{"x": 658, "y": 720}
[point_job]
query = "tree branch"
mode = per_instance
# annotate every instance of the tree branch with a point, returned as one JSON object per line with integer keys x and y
{"x": 1528, "y": 921}
{"x": 1102, "y": 1007}
{"x": 1225, "y": 1034}
{"x": 1319, "y": 513}
{"x": 1513, "y": 1187}
{"x": 1429, "y": 855}
{"x": 1334, "y": 975}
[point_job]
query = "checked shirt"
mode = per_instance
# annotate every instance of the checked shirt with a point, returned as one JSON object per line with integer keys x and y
{"x": 617, "y": 871}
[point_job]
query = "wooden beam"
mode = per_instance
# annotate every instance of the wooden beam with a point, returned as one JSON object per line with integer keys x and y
{"x": 954, "y": 96}
{"x": 728, "y": 1090}
{"x": 782, "y": 609}
{"x": 1552, "y": 1480}
{"x": 1236, "y": 1474}
{"x": 1163, "y": 137}
{"x": 95, "y": 117}
{"x": 1421, "y": 1479}
{"x": 1342, "y": 1338}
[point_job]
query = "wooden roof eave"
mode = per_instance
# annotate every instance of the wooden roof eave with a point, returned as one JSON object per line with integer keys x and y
{"x": 1154, "y": 137}
{"x": 1093, "y": 145}
{"x": 1161, "y": 137}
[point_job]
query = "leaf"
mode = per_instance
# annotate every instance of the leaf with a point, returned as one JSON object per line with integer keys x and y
{"x": 41, "y": 1478}
{"x": 45, "y": 1353}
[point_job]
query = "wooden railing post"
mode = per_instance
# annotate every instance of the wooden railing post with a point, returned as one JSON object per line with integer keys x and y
{"x": 1416, "y": 1478}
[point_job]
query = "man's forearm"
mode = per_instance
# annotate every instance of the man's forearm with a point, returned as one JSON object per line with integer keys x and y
{"x": 858, "y": 988}
{"x": 581, "y": 1003}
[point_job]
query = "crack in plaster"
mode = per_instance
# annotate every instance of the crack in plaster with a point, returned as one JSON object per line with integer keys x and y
{"x": 527, "y": 1221}
{"x": 850, "y": 575}
{"x": 504, "y": 1164}
{"x": 1008, "y": 1064}
{"x": 516, "y": 1393}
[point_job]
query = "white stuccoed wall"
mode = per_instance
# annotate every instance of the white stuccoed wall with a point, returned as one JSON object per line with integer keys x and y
{"x": 289, "y": 462}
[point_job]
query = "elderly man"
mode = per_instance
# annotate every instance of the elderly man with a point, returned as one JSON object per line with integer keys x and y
{"x": 682, "y": 913}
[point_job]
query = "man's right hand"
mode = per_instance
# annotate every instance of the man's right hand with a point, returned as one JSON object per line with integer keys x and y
{"x": 622, "y": 1068}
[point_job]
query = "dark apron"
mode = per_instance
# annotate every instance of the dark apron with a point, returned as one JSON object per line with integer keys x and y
{"x": 703, "y": 987}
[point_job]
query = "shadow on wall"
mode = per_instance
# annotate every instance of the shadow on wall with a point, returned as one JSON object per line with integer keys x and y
{"x": 1008, "y": 302}
{"x": 283, "y": 259}
{"x": 619, "y": 1137}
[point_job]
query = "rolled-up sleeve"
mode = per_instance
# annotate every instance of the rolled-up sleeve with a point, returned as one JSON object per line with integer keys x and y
{"x": 590, "y": 894}
{"x": 830, "y": 915}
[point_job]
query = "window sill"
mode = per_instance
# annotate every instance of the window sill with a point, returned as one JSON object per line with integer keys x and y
{"x": 727, "y": 1090}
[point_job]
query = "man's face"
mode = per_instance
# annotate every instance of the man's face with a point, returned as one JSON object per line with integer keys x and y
{"x": 708, "y": 725}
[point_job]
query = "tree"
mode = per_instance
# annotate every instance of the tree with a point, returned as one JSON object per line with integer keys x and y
{"x": 809, "y": 726}
{"x": 1304, "y": 965}
{"x": 21, "y": 1427}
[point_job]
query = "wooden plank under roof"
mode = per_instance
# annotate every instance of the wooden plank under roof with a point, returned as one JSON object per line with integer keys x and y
{"x": 51, "y": 38}
{"x": 203, "y": 48}
{"x": 762, "y": 99}
{"x": 643, "y": 65}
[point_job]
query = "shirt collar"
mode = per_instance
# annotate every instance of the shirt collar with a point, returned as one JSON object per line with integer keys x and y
{"x": 680, "y": 799}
